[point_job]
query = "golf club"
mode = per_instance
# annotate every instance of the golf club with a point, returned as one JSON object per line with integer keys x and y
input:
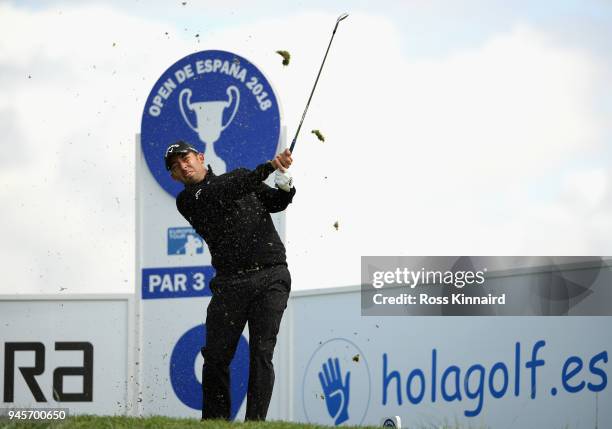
{"x": 340, "y": 18}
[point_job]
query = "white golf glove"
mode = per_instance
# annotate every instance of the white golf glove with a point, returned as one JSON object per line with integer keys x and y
{"x": 283, "y": 181}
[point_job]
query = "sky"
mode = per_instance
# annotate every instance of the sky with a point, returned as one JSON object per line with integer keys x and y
{"x": 452, "y": 128}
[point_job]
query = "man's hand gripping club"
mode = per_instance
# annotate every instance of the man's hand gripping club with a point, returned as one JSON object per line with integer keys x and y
{"x": 282, "y": 177}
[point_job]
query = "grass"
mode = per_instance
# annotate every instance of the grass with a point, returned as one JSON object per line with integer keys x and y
{"x": 120, "y": 422}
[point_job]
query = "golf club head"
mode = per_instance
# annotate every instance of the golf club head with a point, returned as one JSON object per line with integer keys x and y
{"x": 340, "y": 18}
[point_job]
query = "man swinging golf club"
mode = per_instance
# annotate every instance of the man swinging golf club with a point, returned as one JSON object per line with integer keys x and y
{"x": 231, "y": 212}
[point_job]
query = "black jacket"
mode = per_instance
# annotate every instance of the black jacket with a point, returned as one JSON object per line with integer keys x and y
{"x": 231, "y": 212}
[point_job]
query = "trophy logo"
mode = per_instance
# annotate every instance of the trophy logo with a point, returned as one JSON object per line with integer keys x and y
{"x": 209, "y": 122}
{"x": 219, "y": 102}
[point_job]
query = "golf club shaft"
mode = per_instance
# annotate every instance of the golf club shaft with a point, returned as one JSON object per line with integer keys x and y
{"x": 315, "y": 84}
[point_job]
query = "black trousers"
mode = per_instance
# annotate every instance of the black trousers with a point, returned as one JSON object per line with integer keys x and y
{"x": 259, "y": 298}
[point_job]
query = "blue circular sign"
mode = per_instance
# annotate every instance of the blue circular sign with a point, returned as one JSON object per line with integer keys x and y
{"x": 336, "y": 387}
{"x": 183, "y": 378}
{"x": 218, "y": 102}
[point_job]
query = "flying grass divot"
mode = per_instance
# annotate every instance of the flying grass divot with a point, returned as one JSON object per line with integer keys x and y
{"x": 319, "y": 135}
{"x": 286, "y": 57}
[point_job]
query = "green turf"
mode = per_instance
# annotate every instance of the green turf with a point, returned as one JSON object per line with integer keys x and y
{"x": 106, "y": 422}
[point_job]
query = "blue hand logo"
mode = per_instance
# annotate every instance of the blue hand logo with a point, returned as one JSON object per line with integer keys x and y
{"x": 336, "y": 393}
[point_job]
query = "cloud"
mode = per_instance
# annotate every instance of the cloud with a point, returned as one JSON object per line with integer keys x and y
{"x": 422, "y": 157}
{"x": 439, "y": 157}
{"x": 73, "y": 98}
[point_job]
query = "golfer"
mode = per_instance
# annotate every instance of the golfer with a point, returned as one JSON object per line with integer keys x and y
{"x": 231, "y": 212}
